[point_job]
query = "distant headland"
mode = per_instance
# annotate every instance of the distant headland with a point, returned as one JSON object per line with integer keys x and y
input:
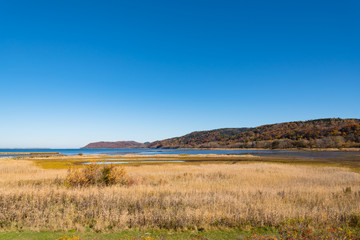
{"x": 114, "y": 145}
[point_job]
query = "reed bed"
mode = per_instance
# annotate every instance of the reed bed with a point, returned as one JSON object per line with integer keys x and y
{"x": 209, "y": 196}
{"x": 19, "y": 171}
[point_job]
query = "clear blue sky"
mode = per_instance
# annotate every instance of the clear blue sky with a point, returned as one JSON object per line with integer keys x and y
{"x": 74, "y": 72}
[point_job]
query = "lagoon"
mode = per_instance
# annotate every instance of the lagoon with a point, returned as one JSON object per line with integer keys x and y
{"x": 150, "y": 152}
{"x": 123, "y": 162}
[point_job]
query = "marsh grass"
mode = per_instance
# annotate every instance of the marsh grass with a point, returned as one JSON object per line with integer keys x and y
{"x": 63, "y": 162}
{"x": 18, "y": 171}
{"x": 182, "y": 197}
{"x": 351, "y": 161}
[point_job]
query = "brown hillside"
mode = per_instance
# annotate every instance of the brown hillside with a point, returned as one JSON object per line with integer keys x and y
{"x": 320, "y": 133}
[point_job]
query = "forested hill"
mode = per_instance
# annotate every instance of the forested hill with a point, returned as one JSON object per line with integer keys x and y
{"x": 320, "y": 133}
{"x": 115, "y": 145}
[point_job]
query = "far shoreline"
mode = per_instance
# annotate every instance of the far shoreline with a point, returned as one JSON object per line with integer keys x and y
{"x": 248, "y": 149}
{"x": 278, "y": 149}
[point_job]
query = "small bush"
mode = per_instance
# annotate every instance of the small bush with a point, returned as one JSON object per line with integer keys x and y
{"x": 94, "y": 174}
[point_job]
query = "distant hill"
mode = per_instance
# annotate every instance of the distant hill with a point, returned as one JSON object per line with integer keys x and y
{"x": 320, "y": 133}
{"x": 118, "y": 145}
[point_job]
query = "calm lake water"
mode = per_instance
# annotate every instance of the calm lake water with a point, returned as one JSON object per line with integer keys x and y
{"x": 121, "y": 162}
{"x": 307, "y": 154}
{"x": 134, "y": 151}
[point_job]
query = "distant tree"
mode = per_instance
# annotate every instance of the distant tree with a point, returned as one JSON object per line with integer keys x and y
{"x": 275, "y": 144}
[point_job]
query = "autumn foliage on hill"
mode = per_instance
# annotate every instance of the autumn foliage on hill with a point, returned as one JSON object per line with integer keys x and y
{"x": 320, "y": 133}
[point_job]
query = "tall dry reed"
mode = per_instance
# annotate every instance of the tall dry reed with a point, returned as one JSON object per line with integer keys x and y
{"x": 181, "y": 197}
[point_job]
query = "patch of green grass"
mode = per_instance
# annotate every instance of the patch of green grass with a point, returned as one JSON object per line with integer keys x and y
{"x": 302, "y": 232}
{"x": 55, "y": 163}
{"x": 154, "y": 234}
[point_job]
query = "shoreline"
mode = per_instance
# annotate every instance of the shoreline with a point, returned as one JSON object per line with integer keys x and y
{"x": 283, "y": 149}
{"x": 246, "y": 149}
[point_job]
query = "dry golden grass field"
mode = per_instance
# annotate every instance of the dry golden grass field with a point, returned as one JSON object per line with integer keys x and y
{"x": 203, "y": 196}
{"x": 176, "y": 196}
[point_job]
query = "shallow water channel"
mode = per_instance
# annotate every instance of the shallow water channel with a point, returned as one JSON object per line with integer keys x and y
{"x": 135, "y": 161}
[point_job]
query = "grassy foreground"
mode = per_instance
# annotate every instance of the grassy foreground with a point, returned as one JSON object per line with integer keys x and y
{"x": 194, "y": 200}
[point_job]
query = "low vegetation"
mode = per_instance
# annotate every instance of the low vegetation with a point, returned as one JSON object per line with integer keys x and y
{"x": 200, "y": 198}
{"x": 288, "y": 233}
{"x": 303, "y": 232}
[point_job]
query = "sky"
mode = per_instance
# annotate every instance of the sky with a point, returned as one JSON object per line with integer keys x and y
{"x": 74, "y": 72}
